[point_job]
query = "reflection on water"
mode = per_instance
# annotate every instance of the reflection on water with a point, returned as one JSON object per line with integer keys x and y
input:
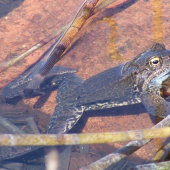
{"x": 127, "y": 29}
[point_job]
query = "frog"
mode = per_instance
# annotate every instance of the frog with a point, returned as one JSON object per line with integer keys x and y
{"x": 141, "y": 80}
{"x": 138, "y": 81}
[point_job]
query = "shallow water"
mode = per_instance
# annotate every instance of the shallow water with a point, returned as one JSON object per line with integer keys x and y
{"x": 113, "y": 36}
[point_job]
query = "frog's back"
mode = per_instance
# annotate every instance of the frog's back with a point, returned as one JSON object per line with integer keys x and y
{"x": 93, "y": 84}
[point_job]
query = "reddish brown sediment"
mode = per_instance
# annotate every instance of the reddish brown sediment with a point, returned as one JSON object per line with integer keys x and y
{"x": 32, "y": 49}
{"x": 47, "y": 39}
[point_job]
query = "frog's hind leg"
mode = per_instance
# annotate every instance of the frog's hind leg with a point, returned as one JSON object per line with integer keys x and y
{"x": 64, "y": 118}
{"x": 65, "y": 115}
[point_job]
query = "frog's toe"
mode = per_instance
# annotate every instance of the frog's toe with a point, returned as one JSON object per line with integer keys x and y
{"x": 64, "y": 118}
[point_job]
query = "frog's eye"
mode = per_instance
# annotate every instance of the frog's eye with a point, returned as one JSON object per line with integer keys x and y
{"x": 155, "y": 62}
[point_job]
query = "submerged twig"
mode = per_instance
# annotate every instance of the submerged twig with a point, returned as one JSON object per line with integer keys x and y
{"x": 88, "y": 138}
{"x": 31, "y": 123}
{"x": 163, "y": 152}
{"x": 102, "y": 5}
{"x": 154, "y": 166}
{"x": 49, "y": 38}
{"x": 123, "y": 152}
{"x": 10, "y": 126}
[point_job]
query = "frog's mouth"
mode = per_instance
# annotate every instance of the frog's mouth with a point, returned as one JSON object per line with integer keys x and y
{"x": 160, "y": 79}
{"x": 156, "y": 80}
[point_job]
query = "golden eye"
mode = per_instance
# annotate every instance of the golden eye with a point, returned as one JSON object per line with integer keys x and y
{"x": 155, "y": 62}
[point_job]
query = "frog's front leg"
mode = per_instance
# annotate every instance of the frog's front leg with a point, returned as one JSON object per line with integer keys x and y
{"x": 154, "y": 103}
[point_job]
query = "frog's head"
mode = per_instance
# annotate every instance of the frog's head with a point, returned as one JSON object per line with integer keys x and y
{"x": 149, "y": 69}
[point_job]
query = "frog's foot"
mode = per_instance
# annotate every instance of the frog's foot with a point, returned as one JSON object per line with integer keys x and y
{"x": 17, "y": 86}
{"x": 40, "y": 84}
{"x": 63, "y": 119}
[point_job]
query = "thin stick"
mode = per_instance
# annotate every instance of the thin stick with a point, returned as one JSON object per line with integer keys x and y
{"x": 163, "y": 152}
{"x": 10, "y": 126}
{"x": 61, "y": 45}
{"x": 77, "y": 139}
